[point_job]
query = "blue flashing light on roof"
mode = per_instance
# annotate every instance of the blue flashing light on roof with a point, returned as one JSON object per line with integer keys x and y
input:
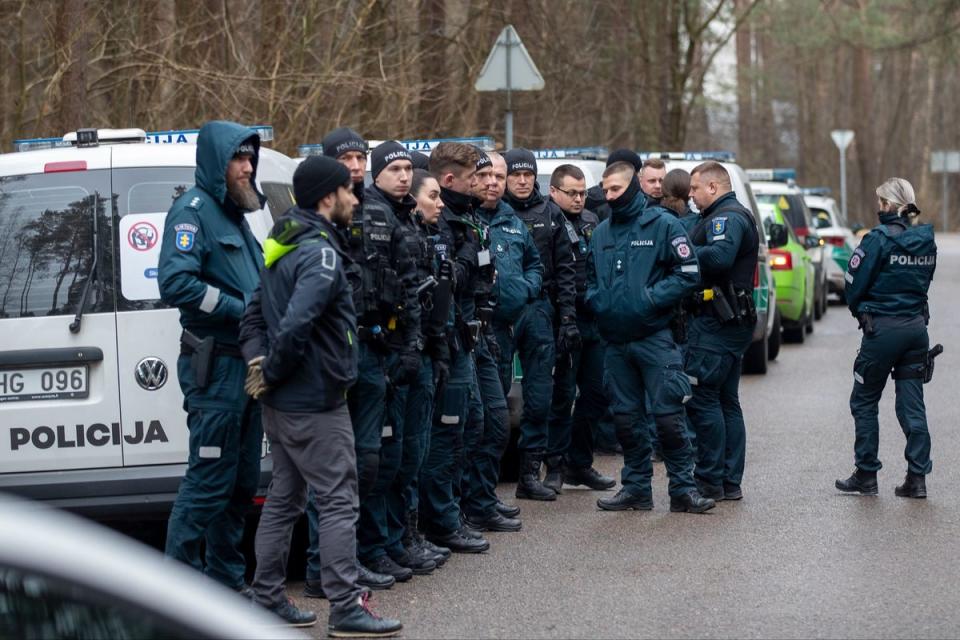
{"x": 34, "y": 144}
{"x": 584, "y": 153}
{"x": 189, "y": 136}
{"x": 699, "y": 156}
{"x": 773, "y": 175}
{"x": 307, "y": 150}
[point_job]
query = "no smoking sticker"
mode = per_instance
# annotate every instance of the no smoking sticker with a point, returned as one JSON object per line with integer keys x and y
{"x": 143, "y": 236}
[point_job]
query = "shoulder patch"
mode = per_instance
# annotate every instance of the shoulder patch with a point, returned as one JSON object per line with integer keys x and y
{"x": 682, "y": 247}
{"x": 718, "y": 225}
{"x": 185, "y": 239}
{"x": 856, "y": 259}
{"x": 185, "y": 226}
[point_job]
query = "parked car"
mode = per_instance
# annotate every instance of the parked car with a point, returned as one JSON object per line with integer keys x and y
{"x": 833, "y": 229}
{"x": 778, "y": 186}
{"x": 793, "y": 273}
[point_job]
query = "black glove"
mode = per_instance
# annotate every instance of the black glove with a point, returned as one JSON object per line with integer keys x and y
{"x": 405, "y": 368}
{"x": 448, "y": 270}
{"x": 568, "y": 337}
{"x": 439, "y": 351}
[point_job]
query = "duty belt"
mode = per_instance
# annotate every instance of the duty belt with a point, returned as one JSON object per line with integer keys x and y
{"x": 189, "y": 343}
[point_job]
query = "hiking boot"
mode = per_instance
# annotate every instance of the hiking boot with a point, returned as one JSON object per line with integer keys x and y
{"x": 289, "y": 613}
{"x": 691, "y": 502}
{"x": 359, "y": 621}
{"x": 588, "y": 477}
{"x": 508, "y": 510}
{"x": 862, "y": 482}
{"x": 529, "y": 486}
{"x": 554, "y": 478}
{"x": 623, "y": 500}
{"x": 385, "y": 565}
{"x": 914, "y": 486}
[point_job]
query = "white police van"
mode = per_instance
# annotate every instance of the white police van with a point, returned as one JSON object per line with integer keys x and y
{"x": 590, "y": 160}
{"x": 91, "y": 414}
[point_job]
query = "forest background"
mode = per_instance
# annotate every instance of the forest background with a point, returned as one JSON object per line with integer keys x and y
{"x": 768, "y": 79}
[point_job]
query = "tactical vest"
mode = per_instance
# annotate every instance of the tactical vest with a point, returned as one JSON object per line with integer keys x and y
{"x": 377, "y": 291}
{"x": 744, "y": 267}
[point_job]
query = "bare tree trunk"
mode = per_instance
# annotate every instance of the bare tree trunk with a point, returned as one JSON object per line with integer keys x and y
{"x": 73, "y": 31}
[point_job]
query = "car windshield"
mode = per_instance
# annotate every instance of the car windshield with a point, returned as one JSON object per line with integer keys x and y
{"x": 821, "y": 218}
{"x": 791, "y": 205}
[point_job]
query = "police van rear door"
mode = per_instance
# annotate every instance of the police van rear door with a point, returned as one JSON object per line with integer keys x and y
{"x": 146, "y": 181}
{"x": 59, "y": 399}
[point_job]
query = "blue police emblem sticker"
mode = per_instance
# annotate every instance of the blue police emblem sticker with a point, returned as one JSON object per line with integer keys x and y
{"x": 719, "y": 225}
{"x": 186, "y": 234}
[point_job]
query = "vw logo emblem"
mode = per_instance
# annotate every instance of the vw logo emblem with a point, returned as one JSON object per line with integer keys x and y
{"x": 151, "y": 373}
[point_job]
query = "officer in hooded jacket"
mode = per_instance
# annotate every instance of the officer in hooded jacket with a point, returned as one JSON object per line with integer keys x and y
{"x": 554, "y": 312}
{"x": 639, "y": 265}
{"x": 886, "y": 290}
{"x": 209, "y": 267}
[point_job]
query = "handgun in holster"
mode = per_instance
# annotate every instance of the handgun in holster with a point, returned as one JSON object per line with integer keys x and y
{"x": 718, "y": 302}
{"x": 928, "y": 366}
{"x": 202, "y": 352}
{"x": 442, "y": 298}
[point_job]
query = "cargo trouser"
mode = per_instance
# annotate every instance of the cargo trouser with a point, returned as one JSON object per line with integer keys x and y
{"x": 895, "y": 341}
{"x": 713, "y": 363}
{"x": 573, "y": 416}
{"x": 223, "y": 471}
{"x": 439, "y": 504}
{"x": 488, "y": 415}
{"x": 414, "y": 404}
{"x": 533, "y": 339}
{"x": 650, "y": 367}
{"x": 314, "y": 450}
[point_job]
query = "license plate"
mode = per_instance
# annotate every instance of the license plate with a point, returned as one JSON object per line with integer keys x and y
{"x": 44, "y": 383}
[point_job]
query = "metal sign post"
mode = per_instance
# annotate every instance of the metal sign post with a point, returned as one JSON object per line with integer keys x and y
{"x": 842, "y": 138}
{"x": 944, "y": 163}
{"x": 509, "y": 68}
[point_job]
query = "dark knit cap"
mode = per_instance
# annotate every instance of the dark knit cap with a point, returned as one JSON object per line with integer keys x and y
{"x": 484, "y": 160}
{"x": 248, "y": 147}
{"x": 385, "y": 153}
{"x": 420, "y": 160}
{"x": 340, "y": 141}
{"x": 520, "y": 160}
{"x": 316, "y": 177}
{"x": 625, "y": 155}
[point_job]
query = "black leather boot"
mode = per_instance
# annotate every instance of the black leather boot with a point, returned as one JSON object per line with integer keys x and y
{"x": 554, "y": 478}
{"x": 691, "y": 502}
{"x": 529, "y": 487}
{"x": 588, "y": 477}
{"x": 414, "y": 542}
{"x": 914, "y": 486}
{"x": 508, "y": 510}
{"x": 623, "y": 500}
{"x": 862, "y": 482}
{"x": 494, "y": 522}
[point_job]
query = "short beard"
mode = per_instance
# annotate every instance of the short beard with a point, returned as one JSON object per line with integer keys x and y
{"x": 342, "y": 215}
{"x": 245, "y": 197}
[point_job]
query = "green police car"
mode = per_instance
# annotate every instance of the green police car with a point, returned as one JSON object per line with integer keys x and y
{"x": 793, "y": 272}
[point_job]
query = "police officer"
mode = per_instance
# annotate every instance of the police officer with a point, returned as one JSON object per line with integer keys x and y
{"x": 209, "y": 267}
{"x": 366, "y": 400}
{"x": 639, "y": 266}
{"x": 518, "y": 282}
{"x": 651, "y": 176}
{"x": 676, "y": 197}
{"x": 389, "y": 317}
{"x": 886, "y": 290}
{"x": 570, "y": 438}
{"x": 297, "y": 335}
{"x": 534, "y": 334}
{"x": 726, "y": 241}
{"x": 454, "y": 164}
{"x": 596, "y": 201}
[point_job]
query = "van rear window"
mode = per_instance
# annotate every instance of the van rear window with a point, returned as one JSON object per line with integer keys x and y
{"x": 46, "y": 243}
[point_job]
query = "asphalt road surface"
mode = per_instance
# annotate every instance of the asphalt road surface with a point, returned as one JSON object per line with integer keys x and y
{"x": 794, "y": 559}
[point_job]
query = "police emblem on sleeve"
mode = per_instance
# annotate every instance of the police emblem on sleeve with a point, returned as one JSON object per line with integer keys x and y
{"x": 186, "y": 234}
{"x": 683, "y": 250}
{"x": 856, "y": 258}
{"x": 719, "y": 225}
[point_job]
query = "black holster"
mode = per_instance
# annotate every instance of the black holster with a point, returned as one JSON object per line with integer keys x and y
{"x": 202, "y": 352}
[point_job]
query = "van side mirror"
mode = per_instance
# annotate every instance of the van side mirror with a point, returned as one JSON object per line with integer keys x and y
{"x": 778, "y": 235}
{"x": 812, "y": 241}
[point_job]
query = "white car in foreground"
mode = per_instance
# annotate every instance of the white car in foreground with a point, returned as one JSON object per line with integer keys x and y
{"x": 65, "y": 577}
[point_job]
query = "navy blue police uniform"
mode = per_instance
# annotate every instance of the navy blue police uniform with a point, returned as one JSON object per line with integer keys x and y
{"x": 887, "y": 282}
{"x": 726, "y": 242}
{"x": 209, "y": 268}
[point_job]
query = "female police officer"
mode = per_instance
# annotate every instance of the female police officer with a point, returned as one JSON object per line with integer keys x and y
{"x": 886, "y": 290}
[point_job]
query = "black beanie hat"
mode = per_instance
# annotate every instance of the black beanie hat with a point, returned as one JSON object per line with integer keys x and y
{"x": 385, "y": 153}
{"x": 339, "y": 141}
{"x": 316, "y": 177}
{"x": 625, "y": 155}
{"x": 420, "y": 160}
{"x": 484, "y": 160}
{"x": 520, "y": 160}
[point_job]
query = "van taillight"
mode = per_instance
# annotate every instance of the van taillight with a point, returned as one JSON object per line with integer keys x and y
{"x": 68, "y": 165}
{"x": 756, "y": 276}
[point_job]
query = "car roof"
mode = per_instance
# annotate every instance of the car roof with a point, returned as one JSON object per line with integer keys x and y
{"x": 40, "y": 540}
{"x": 763, "y": 186}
